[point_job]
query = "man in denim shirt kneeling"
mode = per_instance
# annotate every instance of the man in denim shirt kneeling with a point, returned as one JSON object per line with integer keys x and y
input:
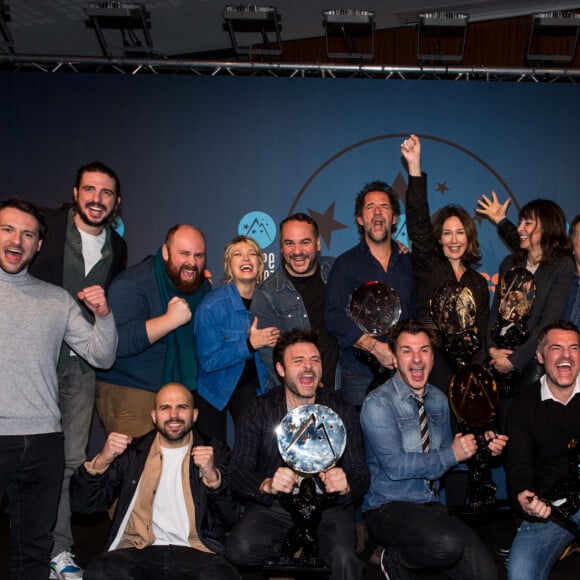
{"x": 406, "y": 461}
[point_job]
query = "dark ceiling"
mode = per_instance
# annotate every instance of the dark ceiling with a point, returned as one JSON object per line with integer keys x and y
{"x": 178, "y": 27}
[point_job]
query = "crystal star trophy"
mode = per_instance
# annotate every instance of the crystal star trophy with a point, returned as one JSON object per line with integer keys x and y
{"x": 311, "y": 439}
{"x": 517, "y": 293}
{"x": 375, "y": 308}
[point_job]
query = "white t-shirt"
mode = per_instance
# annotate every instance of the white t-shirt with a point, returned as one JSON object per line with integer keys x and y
{"x": 92, "y": 248}
{"x": 170, "y": 521}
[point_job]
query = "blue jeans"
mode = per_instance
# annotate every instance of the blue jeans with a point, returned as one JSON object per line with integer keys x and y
{"x": 429, "y": 537}
{"x": 76, "y": 400}
{"x": 536, "y": 548}
{"x": 353, "y": 388}
{"x": 30, "y": 474}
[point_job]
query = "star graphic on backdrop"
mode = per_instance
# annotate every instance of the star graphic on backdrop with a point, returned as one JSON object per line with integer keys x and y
{"x": 326, "y": 223}
{"x": 399, "y": 187}
{"x": 442, "y": 187}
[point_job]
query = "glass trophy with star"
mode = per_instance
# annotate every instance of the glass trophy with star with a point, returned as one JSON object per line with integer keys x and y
{"x": 311, "y": 439}
{"x": 375, "y": 308}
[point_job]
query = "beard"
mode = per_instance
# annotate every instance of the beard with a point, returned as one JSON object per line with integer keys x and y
{"x": 175, "y": 435}
{"x": 184, "y": 286}
{"x": 377, "y": 237}
{"x": 562, "y": 383}
{"x": 310, "y": 267}
{"x": 90, "y": 222}
{"x": 293, "y": 385}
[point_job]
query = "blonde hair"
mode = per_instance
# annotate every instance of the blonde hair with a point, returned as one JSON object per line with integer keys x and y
{"x": 229, "y": 250}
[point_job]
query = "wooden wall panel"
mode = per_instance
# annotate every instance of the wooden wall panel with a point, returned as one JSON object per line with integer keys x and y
{"x": 494, "y": 43}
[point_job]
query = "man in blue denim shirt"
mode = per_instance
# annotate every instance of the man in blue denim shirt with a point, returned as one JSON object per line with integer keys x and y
{"x": 293, "y": 297}
{"x": 402, "y": 505}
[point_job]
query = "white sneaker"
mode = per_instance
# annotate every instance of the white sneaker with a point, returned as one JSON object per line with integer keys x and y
{"x": 64, "y": 567}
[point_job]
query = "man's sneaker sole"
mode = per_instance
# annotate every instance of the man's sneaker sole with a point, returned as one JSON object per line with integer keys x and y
{"x": 383, "y": 569}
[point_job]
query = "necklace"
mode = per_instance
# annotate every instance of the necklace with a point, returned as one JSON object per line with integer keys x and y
{"x": 531, "y": 266}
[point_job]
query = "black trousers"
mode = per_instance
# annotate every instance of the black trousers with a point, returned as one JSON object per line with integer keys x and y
{"x": 262, "y": 530}
{"x": 160, "y": 563}
{"x": 31, "y": 469}
{"x": 429, "y": 537}
{"x": 212, "y": 423}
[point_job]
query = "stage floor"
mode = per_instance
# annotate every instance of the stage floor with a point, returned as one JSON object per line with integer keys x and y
{"x": 90, "y": 533}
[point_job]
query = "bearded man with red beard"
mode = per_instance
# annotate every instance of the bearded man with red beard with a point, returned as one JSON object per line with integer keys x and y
{"x": 153, "y": 303}
{"x": 542, "y": 422}
{"x": 408, "y": 451}
{"x": 260, "y": 477}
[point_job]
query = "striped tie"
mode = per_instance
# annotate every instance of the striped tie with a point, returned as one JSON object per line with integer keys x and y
{"x": 423, "y": 423}
{"x": 424, "y": 434}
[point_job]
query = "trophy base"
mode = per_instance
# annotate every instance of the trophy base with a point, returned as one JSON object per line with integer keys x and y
{"x": 297, "y": 567}
{"x": 483, "y": 513}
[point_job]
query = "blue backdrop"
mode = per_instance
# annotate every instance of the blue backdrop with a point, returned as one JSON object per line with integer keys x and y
{"x": 236, "y": 155}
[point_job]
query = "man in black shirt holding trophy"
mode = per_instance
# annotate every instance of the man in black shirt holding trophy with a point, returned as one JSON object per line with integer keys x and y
{"x": 261, "y": 472}
{"x": 543, "y": 424}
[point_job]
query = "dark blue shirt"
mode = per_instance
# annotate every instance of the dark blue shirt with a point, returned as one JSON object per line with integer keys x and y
{"x": 351, "y": 269}
{"x": 134, "y": 298}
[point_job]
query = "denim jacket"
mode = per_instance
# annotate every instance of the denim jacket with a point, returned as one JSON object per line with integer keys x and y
{"x": 221, "y": 329}
{"x": 277, "y": 303}
{"x": 400, "y": 470}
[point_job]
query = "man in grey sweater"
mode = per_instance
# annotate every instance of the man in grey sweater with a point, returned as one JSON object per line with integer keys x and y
{"x": 35, "y": 318}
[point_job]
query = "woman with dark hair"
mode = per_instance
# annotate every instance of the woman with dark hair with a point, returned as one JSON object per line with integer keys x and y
{"x": 445, "y": 249}
{"x": 544, "y": 250}
{"x": 231, "y": 373}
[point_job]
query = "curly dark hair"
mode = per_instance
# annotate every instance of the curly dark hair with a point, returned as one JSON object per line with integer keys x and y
{"x": 100, "y": 167}
{"x": 375, "y": 186}
{"x": 291, "y": 337}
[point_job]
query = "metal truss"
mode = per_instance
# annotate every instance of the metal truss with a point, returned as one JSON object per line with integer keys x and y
{"x": 134, "y": 66}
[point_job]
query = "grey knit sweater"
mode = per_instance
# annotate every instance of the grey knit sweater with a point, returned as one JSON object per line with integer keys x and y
{"x": 35, "y": 317}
